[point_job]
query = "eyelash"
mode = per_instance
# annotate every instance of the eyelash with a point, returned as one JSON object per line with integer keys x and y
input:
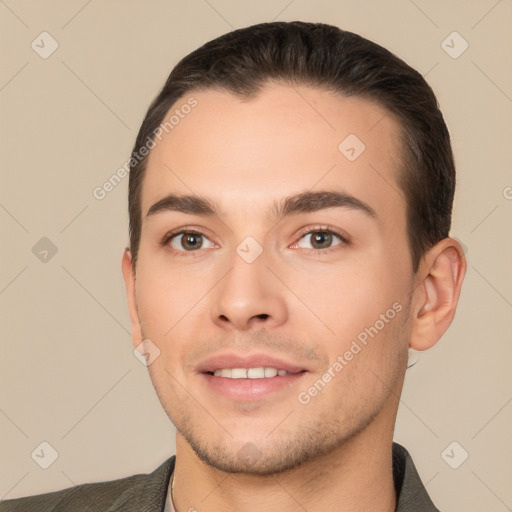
{"x": 344, "y": 241}
{"x": 307, "y": 231}
{"x": 167, "y": 238}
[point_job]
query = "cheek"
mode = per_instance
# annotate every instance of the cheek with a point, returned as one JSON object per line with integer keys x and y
{"x": 362, "y": 302}
{"x": 352, "y": 293}
{"x": 165, "y": 295}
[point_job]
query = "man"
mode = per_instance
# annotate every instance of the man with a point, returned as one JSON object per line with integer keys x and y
{"x": 290, "y": 203}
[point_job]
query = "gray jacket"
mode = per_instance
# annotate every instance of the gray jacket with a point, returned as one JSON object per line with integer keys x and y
{"x": 148, "y": 492}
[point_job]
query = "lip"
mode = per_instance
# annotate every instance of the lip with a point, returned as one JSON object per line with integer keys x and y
{"x": 221, "y": 361}
{"x": 249, "y": 390}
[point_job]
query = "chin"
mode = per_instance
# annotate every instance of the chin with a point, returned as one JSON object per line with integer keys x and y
{"x": 250, "y": 460}
{"x": 264, "y": 457}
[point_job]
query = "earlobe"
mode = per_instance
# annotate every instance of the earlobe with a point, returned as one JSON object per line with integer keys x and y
{"x": 129, "y": 281}
{"x": 437, "y": 293}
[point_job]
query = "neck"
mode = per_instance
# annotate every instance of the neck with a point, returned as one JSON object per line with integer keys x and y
{"x": 354, "y": 477}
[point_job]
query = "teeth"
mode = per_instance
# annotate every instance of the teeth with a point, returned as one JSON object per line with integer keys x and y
{"x": 249, "y": 373}
{"x": 257, "y": 373}
{"x": 238, "y": 373}
{"x": 270, "y": 372}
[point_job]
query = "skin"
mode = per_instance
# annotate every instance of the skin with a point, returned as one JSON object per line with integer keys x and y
{"x": 244, "y": 155}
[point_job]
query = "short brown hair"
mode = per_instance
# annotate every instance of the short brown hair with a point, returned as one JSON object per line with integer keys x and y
{"x": 321, "y": 55}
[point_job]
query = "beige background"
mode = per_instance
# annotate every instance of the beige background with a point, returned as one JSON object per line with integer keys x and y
{"x": 68, "y": 374}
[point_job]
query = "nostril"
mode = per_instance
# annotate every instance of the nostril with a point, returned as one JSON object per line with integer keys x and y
{"x": 263, "y": 316}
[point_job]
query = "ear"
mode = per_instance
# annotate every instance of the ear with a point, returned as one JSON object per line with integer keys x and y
{"x": 437, "y": 292}
{"x": 129, "y": 282}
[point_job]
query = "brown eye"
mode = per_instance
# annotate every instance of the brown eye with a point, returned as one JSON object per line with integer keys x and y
{"x": 188, "y": 241}
{"x": 320, "y": 239}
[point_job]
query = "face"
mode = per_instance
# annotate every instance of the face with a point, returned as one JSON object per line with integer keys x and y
{"x": 280, "y": 306}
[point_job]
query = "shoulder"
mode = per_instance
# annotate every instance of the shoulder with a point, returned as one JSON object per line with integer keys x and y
{"x": 411, "y": 493}
{"x": 142, "y": 492}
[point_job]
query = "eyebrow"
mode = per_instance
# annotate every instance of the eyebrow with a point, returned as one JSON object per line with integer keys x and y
{"x": 305, "y": 202}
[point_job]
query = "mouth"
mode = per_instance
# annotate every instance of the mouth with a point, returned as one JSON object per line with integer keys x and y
{"x": 249, "y": 373}
{"x": 249, "y": 378}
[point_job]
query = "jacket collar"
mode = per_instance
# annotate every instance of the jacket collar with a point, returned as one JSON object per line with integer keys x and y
{"x": 410, "y": 491}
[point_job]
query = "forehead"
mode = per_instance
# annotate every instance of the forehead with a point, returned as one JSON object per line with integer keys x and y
{"x": 247, "y": 153}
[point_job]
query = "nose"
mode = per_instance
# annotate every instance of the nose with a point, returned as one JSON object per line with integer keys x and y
{"x": 249, "y": 295}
